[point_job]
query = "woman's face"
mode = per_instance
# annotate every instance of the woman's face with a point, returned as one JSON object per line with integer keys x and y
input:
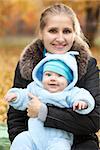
{"x": 58, "y": 34}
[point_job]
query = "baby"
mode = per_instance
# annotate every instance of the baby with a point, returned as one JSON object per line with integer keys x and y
{"x": 54, "y": 82}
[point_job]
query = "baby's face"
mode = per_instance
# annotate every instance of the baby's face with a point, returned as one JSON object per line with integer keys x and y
{"x": 54, "y": 82}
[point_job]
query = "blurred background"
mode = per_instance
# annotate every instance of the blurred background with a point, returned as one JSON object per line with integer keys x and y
{"x": 19, "y": 21}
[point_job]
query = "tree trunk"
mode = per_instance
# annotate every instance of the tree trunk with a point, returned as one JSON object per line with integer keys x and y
{"x": 91, "y": 25}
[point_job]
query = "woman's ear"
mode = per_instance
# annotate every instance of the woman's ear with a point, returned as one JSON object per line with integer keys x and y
{"x": 40, "y": 35}
{"x": 74, "y": 35}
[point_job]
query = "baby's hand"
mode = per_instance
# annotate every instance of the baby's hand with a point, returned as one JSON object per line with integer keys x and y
{"x": 10, "y": 97}
{"x": 79, "y": 105}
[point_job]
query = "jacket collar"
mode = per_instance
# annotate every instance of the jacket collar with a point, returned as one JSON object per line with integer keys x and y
{"x": 33, "y": 53}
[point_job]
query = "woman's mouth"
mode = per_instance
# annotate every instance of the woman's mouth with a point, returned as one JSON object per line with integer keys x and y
{"x": 59, "y": 47}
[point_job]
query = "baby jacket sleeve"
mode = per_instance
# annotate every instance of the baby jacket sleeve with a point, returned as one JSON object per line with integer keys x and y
{"x": 78, "y": 94}
{"x": 22, "y": 97}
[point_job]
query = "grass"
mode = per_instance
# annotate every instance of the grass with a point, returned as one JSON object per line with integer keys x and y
{"x": 15, "y": 41}
{"x": 4, "y": 141}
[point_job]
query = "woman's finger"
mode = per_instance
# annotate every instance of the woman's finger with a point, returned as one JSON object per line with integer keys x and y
{"x": 31, "y": 95}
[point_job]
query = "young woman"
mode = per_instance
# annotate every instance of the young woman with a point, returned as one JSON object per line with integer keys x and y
{"x": 59, "y": 32}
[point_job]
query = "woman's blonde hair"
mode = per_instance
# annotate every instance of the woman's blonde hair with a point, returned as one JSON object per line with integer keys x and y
{"x": 57, "y": 9}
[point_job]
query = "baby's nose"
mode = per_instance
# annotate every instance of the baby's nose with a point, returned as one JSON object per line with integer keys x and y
{"x": 53, "y": 78}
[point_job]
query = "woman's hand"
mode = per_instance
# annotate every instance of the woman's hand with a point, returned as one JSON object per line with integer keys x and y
{"x": 33, "y": 106}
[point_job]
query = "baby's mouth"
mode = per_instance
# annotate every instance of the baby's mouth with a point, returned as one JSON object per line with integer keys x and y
{"x": 53, "y": 85}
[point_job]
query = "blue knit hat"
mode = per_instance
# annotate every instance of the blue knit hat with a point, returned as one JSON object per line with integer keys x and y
{"x": 59, "y": 67}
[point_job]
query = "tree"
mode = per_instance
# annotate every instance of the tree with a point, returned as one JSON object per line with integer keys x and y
{"x": 91, "y": 23}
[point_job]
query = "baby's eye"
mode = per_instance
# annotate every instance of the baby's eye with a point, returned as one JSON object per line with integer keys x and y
{"x": 59, "y": 75}
{"x": 48, "y": 74}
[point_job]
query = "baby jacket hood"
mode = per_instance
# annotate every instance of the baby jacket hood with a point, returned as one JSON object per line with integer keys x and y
{"x": 67, "y": 58}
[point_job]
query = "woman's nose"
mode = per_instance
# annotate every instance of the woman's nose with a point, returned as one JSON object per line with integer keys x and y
{"x": 60, "y": 37}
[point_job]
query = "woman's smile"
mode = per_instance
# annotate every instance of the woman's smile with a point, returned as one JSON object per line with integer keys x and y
{"x": 59, "y": 46}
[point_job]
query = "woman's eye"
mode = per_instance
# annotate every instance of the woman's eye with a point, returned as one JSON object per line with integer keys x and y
{"x": 67, "y": 31}
{"x": 53, "y": 31}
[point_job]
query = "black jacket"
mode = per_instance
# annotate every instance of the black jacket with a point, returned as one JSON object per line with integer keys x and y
{"x": 82, "y": 126}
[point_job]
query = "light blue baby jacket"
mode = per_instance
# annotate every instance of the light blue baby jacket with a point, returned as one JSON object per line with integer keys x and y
{"x": 64, "y": 99}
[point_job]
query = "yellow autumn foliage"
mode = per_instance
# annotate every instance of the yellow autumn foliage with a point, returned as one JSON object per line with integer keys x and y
{"x": 8, "y": 60}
